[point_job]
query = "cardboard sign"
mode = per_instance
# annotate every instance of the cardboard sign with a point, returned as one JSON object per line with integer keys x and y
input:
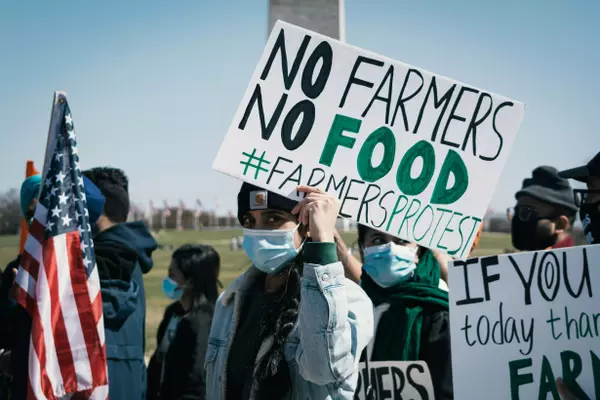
{"x": 406, "y": 151}
{"x": 395, "y": 380}
{"x": 520, "y": 321}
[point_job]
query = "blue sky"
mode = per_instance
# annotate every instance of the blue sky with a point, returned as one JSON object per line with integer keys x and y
{"x": 153, "y": 85}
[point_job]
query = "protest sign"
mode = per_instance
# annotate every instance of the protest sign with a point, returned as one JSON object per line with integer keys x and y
{"x": 395, "y": 380}
{"x": 406, "y": 151}
{"x": 520, "y": 321}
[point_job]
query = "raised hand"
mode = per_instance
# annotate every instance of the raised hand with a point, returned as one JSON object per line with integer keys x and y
{"x": 319, "y": 211}
{"x": 564, "y": 391}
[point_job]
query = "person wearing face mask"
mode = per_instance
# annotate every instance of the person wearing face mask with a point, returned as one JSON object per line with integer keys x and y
{"x": 176, "y": 369}
{"x": 123, "y": 254}
{"x": 292, "y": 325}
{"x": 15, "y": 322}
{"x": 544, "y": 213}
{"x": 588, "y": 199}
{"x": 411, "y": 305}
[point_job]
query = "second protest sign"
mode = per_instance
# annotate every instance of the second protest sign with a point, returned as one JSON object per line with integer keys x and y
{"x": 520, "y": 321}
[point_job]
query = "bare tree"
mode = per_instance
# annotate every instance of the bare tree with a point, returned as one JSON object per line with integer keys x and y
{"x": 10, "y": 212}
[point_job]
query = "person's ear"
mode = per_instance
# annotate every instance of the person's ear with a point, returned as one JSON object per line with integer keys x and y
{"x": 561, "y": 224}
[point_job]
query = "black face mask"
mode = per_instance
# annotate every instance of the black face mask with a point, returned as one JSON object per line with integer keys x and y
{"x": 590, "y": 219}
{"x": 533, "y": 234}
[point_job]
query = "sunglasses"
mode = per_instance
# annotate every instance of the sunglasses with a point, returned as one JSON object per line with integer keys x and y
{"x": 525, "y": 213}
{"x": 581, "y": 195}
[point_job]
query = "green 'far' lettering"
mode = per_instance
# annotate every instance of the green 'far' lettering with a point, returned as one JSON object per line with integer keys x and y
{"x": 547, "y": 381}
{"x": 516, "y": 379}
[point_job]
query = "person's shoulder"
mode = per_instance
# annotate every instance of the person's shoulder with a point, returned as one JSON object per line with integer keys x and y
{"x": 201, "y": 311}
{"x": 174, "y": 309}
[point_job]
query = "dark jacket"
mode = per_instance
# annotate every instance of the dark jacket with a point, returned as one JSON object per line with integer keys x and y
{"x": 184, "y": 376}
{"x": 123, "y": 255}
{"x": 15, "y": 332}
{"x": 435, "y": 348}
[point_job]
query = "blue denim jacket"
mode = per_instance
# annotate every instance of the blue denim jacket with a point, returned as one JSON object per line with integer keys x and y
{"x": 335, "y": 323}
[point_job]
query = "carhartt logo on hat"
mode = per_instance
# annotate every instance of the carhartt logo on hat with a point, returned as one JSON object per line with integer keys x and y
{"x": 258, "y": 200}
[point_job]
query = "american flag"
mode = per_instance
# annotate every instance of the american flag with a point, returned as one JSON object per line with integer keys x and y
{"x": 167, "y": 210}
{"x": 58, "y": 282}
{"x": 179, "y": 215}
{"x": 198, "y": 208}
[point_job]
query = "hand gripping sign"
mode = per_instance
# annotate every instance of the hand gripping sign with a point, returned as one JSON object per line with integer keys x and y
{"x": 406, "y": 151}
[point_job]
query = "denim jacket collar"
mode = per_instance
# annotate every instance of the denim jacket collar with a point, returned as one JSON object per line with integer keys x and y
{"x": 242, "y": 284}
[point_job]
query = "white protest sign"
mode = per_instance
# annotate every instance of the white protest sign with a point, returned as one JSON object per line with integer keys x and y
{"x": 520, "y": 321}
{"x": 406, "y": 151}
{"x": 395, "y": 380}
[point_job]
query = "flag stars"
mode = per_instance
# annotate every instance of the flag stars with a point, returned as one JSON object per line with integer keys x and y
{"x": 66, "y": 220}
{"x": 74, "y": 150}
{"x": 68, "y": 119}
{"x": 62, "y": 199}
{"x": 49, "y": 226}
{"x": 86, "y": 261}
{"x": 56, "y": 212}
{"x": 71, "y": 134}
{"x": 53, "y": 191}
{"x": 60, "y": 177}
{"x": 76, "y": 164}
{"x": 48, "y": 182}
{"x": 84, "y": 246}
{"x": 58, "y": 156}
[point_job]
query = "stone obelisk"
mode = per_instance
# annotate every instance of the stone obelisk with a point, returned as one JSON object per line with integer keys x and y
{"x": 323, "y": 16}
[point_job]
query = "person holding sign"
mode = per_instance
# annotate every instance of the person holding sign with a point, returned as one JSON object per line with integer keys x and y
{"x": 588, "y": 200}
{"x": 411, "y": 306}
{"x": 291, "y": 326}
{"x": 544, "y": 213}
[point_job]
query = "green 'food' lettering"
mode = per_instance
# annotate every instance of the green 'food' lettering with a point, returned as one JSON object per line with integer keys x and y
{"x": 366, "y": 170}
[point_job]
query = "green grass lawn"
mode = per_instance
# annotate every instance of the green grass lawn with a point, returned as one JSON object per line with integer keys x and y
{"x": 232, "y": 263}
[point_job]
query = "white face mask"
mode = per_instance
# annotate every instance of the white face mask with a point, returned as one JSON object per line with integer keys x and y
{"x": 270, "y": 250}
{"x": 390, "y": 264}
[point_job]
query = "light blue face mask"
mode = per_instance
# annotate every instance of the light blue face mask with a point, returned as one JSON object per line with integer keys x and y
{"x": 390, "y": 264}
{"x": 172, "y": 289}
{"x": 270, "y": 250}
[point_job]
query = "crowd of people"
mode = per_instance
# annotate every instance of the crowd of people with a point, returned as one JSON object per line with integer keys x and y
{"x": 300, "y": 320}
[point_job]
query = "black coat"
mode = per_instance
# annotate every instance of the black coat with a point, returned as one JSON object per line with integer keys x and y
{"x": 435, "y": 351}
{"x": 184, "y": 375}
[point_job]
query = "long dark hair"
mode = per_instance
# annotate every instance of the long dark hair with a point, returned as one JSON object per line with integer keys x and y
{"x": 200, "y": 264}
{"x": 272, "y": 373}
